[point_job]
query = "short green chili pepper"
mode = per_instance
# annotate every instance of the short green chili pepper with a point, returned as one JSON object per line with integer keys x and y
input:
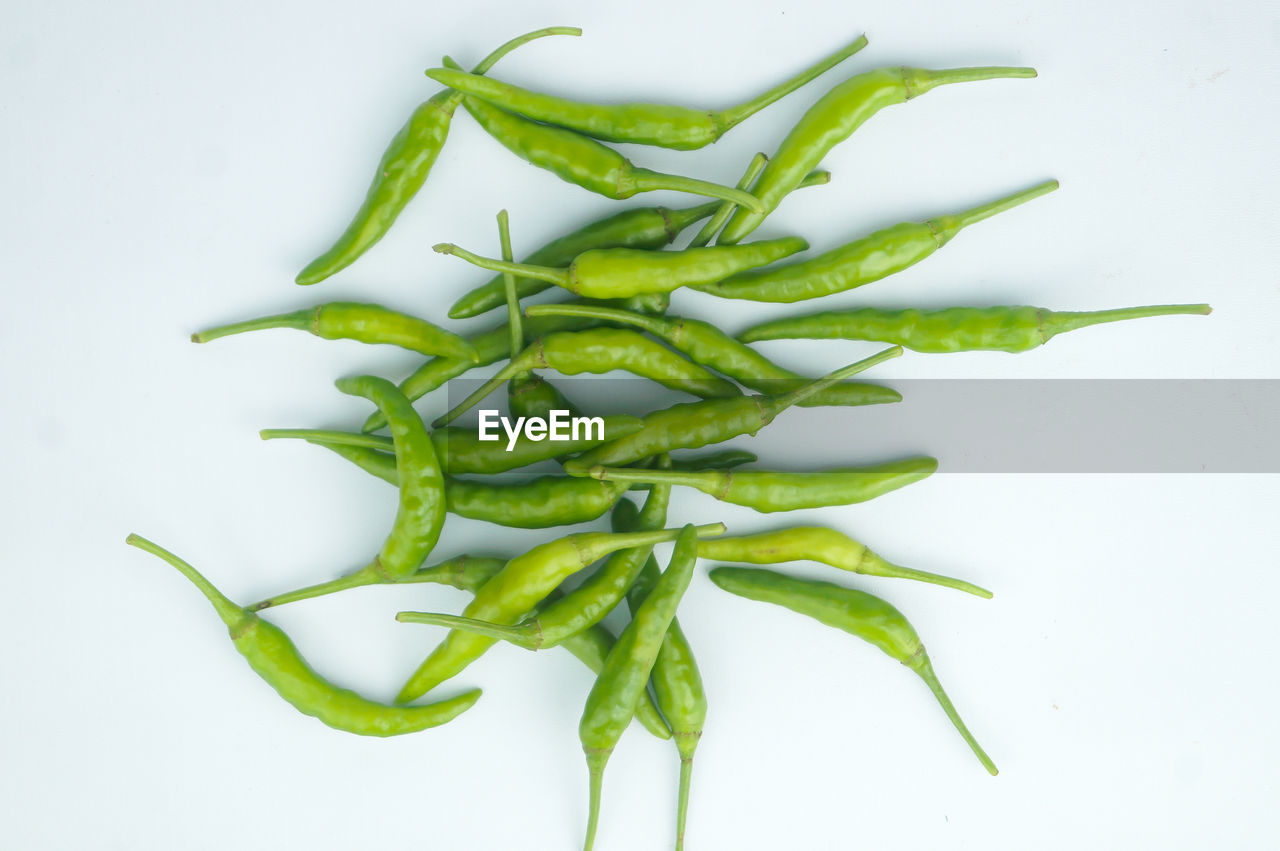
{"x": 835, "y": 117}
{"x": 518, "y": 588}
{"x": 955, "y": 329}
{"x": 769, "y": 491}
{"x": 367, "y": 323}
{"x": 864, "y": 260}
{"x": 591, "y": 646}
{"x": 814, "y": 543}
{"x": 277, "y": 661}
{"x": 404, "y": 168}
{"x": 622, "y": 272}
{"x": 612, "y": 700}
{"x": 601, "y": 350}
{"x": 706, "y": 344}
{"x": 420, "y": 515}
{"x": 677, "y": 127}
{"x": 694, "y": 424}
{"x": 585, "y": 162}
{"x": 857, "y": 613}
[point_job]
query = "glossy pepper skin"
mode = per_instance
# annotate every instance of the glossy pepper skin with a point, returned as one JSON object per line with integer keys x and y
{"x": 834, "y": 118}
{"x": 864, "y": 260}
{"x": 768, "y": 491}
{"x": 694, "y": 424}
{"x": 403, "y": 170}
{"x": 663, "y": 125}
{"x": 612, "y": 700}
{"x": 625, "y": 272}
{"x": 585, "y": 162}
{"x": 540, "y": 503}
{"x": 706, "y": 344}
{"x": 276, "y": 660}
{"x": 591, "y": 646}
{"x": 955, "y": 329}
{"x": 366, "y": 323}
{"x": 516, "y": 590}
{"x": 857, "y": 613}
{"x": 816, "y": 543}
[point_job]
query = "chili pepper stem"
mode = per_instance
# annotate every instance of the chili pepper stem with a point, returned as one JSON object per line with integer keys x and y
{"x": 367, "y": 575}
{"x": 645, "y": 180}
{"x": 526, "y": 635}
{"x": 920, "y": 80}
{"x": 946, "y": 227}
{"x": 1053, "y": 323}
{"x": 734, "y": 115}
{"x": 924, "y": 668}
{"x": 514, "y": 327}
{"x": 786, "y": 400}
{"x": 341, "y": 438}
{"x": 519, "y": 364}
{"x": 232, "y": 615}
{"x": 302, "y": 320}
{"x": 656, "y": 325}
{"x": 682, "y": 804}
{"x": 716, "y": 222}
{"x": 559, "y": 277}
{"x": 595, "y": 766}
{"x": 489, "y": 61}
{"x": 893, "y": 571}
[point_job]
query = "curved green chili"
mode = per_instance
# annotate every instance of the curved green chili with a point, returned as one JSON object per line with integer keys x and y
{"x": 677, "y": 127}
{"x": 834, "y": 118}
{"x": 404, "y": 168}
{"x": 815, "y": 543}
{"x": 955, "y": 329}
{"x": 611, "y": 703}
{"x": 706, "y": 344}
{"x": 864, "y": 260}
{"x": 277, "y": 661}
{"x": 367, "y": 323}
{"x": 857, "y": 613}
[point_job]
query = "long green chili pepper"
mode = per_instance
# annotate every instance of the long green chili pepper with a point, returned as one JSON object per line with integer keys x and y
{"x": 577, "y": 159}
{"x": 769, "y": 491}
{"x": 834, "y": 118}
{"x": 461, "y": 451}
{"x": 420, "y": 515}
{"x": 404, "y": 168}
{"x": 694, "y": 424}
{"x": 864, "y": 260}
{"x": 622, "y": 272}
{"x": 955, "y": 329}
{"x": 519, "y": 587}
{"x": 539, "y": 503}
{"x": 677, "y": 127}
{"x": 582, "y": 607}
{"x": 591, "y": 646}
{"x": 277, "y": 661}
{"x": 677, "y": 683}
{"x": 367, "y": 323}
{"x": 857, "y": 613}
{"x": 706, "y": 344}
{"x": 815, "y": 543}
{"x": 612, "y": 700}
{"x": 601, "y": 350}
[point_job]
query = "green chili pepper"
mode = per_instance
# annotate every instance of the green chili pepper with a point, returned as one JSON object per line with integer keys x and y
{"x": 621, "y": 272}
{"x": 716, "y": 222}
{"x": 585, "y": 162}
{"x": 277, "y": 661}
{"x": 536, "y": 504}
{"x": 420, "y": 516}
{"x": 675, "y": 127}
{"x": 520, "y": 586}
{"x": 591, "y": 646}
{"x": 367, "y": 323}
{"x": 612, "y": 700}
{"x": 857, "y": 613}
{"x": 690, "y": 425}
{"x": 403, "y": 170}
{"x": 864, "y": 260}
{"x": 515, "y": 325}
{"x": 769, "y": 491}
{"x": 706, "y": 344}
{"x": 814, "y": 543}
{"x": 955, "y": 329}
{"x": 677, "y": 683}
{"x": 601, "y": 350}
{"x": 834, "y": 118}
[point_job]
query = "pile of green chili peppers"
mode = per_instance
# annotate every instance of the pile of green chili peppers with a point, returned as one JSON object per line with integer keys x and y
{"x": 619, "y": 275}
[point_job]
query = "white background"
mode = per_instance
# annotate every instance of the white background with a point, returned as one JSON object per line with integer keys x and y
{"x": 169, "y": 166}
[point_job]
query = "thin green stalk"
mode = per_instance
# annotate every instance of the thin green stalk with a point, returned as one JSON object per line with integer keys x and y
{"x": 302, "y": 320}
{"x": 559, "y": 277}
{"x": 1055, "y": 322}
{"x": 946, "y": 227}
{"x": 713, "y": 225}
{"x": 735, "y": 115}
